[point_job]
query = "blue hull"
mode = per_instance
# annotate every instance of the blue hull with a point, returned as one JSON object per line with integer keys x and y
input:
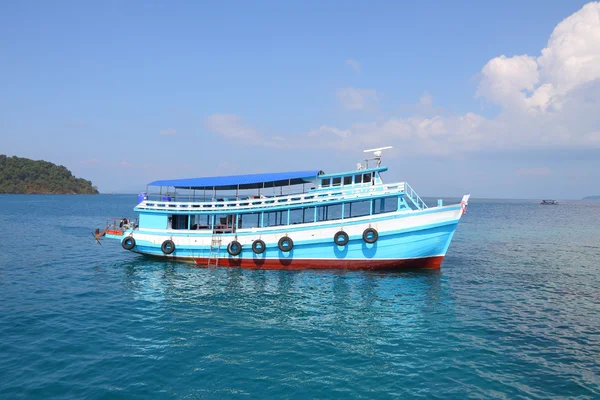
{"x": 425, "y": 246}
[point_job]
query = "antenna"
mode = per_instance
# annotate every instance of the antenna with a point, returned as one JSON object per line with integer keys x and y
{"x": 377, "y": 154}
{"x": 378, "y": 149}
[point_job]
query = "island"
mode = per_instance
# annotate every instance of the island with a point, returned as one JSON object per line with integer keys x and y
{"x": 24, "y": 176}
{"x": 591, "y": 198}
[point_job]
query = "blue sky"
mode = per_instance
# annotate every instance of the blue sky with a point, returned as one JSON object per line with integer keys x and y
{"x": 496, "y": 99}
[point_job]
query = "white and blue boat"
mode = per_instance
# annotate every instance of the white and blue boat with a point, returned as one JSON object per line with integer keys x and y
{"x": 291, "y": 220}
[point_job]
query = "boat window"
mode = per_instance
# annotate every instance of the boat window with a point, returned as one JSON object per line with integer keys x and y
{"x": 308, "y": 215}
{"x": 275, "y": 218}
{"x": 179, "y": 221}
{"x": 357, "y": 209}
{"x": 249, "y": 221}
{"x": 385, "y": 205}
{"x": 224, "y": 223}
{"x": 367, "y": 178}
{"x": 336, "y": 182}
{"x": 199, "y": 222}
{"x": 321, "y": 214}
{"x": 296, "y": 216}
{"x": 329, "y": 213}
{"x": 357, "y": 178}
{"x": 325, "y": 182}
{"x": 347, "y": 180}
{"x": 334, "y": 212}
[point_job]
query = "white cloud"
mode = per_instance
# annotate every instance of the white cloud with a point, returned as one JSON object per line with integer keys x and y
{"x": 356, "y": 99}
{"x": 230, "y": 126}
{"x": 415, "y": 135}
{"x": 330, "y": 130}
{"x": 548, "y": 101}
{"x": 353, "y": 64}
{"x": 168, "y": 132}
{"x": 570, "y": 59}
{"x": 125, "y": 164}
{"x": 572, "y": 56}
{"x": 505, "y": 80}
{"x": 551, "y": 101}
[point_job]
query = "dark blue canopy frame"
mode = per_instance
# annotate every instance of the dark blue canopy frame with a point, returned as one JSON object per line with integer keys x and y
{"x": 253, "y": 181}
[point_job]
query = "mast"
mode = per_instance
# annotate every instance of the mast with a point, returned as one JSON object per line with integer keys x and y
{"x": 377, "y": 155}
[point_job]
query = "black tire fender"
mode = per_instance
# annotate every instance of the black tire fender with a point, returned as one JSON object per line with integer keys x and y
{"x": 234, "y": 248}
{"x": 370, "y": 235}
{"x": 168, "y": 247}
{"x": 128, "y": 243}
{"x": 341, "y": 238}
{"x": 259, "y": 246}
{"x": 285, "y": 244}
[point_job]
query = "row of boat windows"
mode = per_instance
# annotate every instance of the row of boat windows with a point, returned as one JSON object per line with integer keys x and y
{"x": 225, "y": 222}
{"x": 347, "y": 180}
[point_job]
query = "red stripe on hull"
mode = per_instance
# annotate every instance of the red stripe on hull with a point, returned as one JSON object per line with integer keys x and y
{"x": 413, "y": 263}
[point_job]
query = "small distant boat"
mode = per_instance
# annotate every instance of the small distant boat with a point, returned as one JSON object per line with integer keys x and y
{"x": 348, "y": 220}
{"x": 549, "y": 202}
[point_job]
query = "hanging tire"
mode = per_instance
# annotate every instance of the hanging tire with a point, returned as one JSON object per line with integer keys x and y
{"x": 128, "y": 243}
{"x": 341, "y": 238}
{"x": 234, "y": 248}
{"x": 259, "y": 246}
{"x": 370, "y": 235}
{"x": 168, "y": 246}
{"x": 285, "y": 244}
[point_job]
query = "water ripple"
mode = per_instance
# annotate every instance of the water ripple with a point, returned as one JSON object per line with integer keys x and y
{"x": 514, "y": 313}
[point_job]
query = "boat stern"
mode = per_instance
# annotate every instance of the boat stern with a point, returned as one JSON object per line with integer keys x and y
{"x": 116, "y": 228}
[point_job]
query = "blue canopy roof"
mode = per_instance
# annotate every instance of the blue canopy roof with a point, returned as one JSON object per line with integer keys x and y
{"x": 253, "y": 181}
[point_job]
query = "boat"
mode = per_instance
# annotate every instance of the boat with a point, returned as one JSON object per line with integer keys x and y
{"x": 290, "y": 220}
{"x": 549, "y": 202}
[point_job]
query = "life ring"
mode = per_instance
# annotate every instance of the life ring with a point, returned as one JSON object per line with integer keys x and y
{"x": 168, "y": 246}
{"x": 341, "y": 238}
{"x": 128, "y": 243}
{"x": 234, "y": 248}
{"x": 259, "y": 246}
{"x": 370, "y": 235}
{"x": 285, "y": 244}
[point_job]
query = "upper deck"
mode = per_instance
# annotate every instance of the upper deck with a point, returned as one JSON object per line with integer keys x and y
{"x": 260, "y": 192}
{"x": 328, "y": 189}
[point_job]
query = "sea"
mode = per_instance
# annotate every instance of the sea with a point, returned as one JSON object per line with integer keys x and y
{"x": 514, "y": 313}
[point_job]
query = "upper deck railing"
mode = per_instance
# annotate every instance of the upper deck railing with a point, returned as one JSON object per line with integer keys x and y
{"x": 329, "y": 195}
{"x": 414, "y": 197}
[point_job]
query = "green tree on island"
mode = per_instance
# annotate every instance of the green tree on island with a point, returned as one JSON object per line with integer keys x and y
{"x": 22, "y": 175}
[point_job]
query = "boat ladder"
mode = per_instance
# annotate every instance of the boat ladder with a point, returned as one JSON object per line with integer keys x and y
{"x": 414, "y": 197}
{"x": 215, "y": 248}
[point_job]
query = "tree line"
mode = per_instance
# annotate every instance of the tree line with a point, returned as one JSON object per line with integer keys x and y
{"x": 22, "y": 175}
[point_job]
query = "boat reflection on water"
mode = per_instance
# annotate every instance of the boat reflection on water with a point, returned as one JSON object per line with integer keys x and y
{"x": 301, "y": 300}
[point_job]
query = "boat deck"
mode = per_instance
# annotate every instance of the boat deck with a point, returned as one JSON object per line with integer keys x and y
{"x": 247, "y": 203}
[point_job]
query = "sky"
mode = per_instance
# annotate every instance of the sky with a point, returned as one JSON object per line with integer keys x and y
{"x": 496, "y": 99}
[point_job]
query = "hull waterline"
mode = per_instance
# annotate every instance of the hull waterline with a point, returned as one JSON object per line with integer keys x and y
{"x": 429, "y": 263}
{"x": 299, "y": 264}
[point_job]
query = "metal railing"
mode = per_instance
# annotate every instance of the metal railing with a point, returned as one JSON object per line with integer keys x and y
{"x": 188, "y": 195}
{"x": 300, "y": 199}
{"x": 118, "y": 226}
{"x": 414, "y": 197}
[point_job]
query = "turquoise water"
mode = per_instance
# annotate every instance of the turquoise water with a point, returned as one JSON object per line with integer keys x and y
{"x": 513, "y": 313}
